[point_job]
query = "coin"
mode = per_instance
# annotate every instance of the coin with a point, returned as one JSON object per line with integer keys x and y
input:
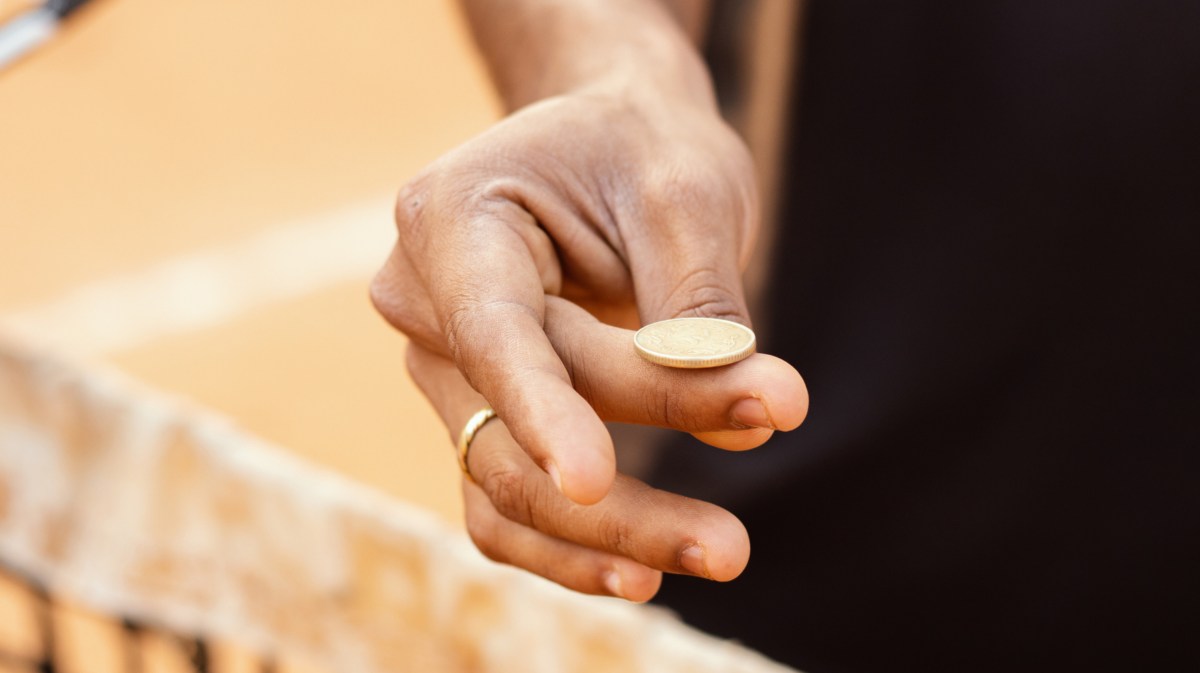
{"x": 693, "y": 343}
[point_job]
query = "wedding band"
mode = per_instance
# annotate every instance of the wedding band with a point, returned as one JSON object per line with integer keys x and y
{"x": 467, "y": 436}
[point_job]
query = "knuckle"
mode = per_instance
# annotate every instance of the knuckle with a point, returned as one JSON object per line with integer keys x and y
{"x": 388, "y": 295}
{"x": 456, "y": 327}
{"x": 483, "y": 533}
{"x": 674, "y": 187}
{"x": 713, "y": 183}
{"x": 709, "y": 177}
{"x": 446, "y": 193}
{"x": 617, "y": 535}
{"x": 670, "y": 409}
{"x": 411, "y": 202}
{"x": 666, "y": 410}
{"x": 502, "y": 192}
{"x": 469, "y": 319}
{"x": 507, "y": 488}
{"x": 381, "y": 294}
{"x": 704, "y": 293}
{"x": 465, "y": 325}
{"x": 574, "y": 363}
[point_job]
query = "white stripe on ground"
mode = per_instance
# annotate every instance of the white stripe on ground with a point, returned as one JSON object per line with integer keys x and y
{"x": 210, "y": 287}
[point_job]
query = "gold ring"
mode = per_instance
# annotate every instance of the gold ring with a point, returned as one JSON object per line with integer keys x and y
{"x": 467, "y": 436}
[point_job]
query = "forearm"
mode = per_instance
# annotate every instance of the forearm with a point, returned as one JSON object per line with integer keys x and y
{"x": 541, "y": 48}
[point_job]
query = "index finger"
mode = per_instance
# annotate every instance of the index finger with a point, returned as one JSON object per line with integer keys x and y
{"x": 488, "y": 293}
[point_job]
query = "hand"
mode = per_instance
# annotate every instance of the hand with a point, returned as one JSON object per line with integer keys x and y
{"x": 621, "y": 545}
{"x": 638, "y": 211}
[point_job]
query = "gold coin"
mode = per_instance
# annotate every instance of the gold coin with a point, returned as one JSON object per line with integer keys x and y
{"x": 692, "y": 343}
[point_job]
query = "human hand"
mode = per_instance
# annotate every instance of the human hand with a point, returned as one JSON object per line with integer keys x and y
{"x": 638, "y": 211}
{"x": 621, "y": 545}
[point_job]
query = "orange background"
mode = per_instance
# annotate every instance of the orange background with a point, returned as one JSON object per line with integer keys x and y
{"x": 146, "y": 130}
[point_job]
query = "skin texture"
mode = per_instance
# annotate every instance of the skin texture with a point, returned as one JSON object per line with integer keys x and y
{"x": 613, "y": 196}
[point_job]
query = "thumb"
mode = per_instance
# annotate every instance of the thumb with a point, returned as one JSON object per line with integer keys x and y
{"x": 694, "y": 241}
{"x": 697, "y": 277}
{"x": 701, "y": 276}
{"x": 707, "y": 283}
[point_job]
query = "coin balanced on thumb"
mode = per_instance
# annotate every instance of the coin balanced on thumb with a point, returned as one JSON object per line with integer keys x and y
{"x": 694, "y": 343}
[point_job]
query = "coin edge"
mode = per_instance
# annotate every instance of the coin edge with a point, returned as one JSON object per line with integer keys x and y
{"x": 695, "y": 362}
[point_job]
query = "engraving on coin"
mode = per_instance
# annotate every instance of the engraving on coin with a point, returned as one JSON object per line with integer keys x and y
{"x": 694, "y": 342}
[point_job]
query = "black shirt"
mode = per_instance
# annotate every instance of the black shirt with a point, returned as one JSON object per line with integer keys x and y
{"x": 987, "y": 274}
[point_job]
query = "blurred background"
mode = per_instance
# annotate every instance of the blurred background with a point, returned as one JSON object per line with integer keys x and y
{"x": 199, "y": 193}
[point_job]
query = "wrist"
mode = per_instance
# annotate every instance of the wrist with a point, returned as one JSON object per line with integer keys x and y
{"x": 676, "y": 79}
{"x": 608, "y": 47}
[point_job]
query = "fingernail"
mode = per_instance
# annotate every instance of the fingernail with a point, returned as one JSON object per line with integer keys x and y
{"x": 612, "y": 582}
{"x": 751, "y": 413}
{"x": 692, "y": 560}
{"x": 552, "y": 470}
